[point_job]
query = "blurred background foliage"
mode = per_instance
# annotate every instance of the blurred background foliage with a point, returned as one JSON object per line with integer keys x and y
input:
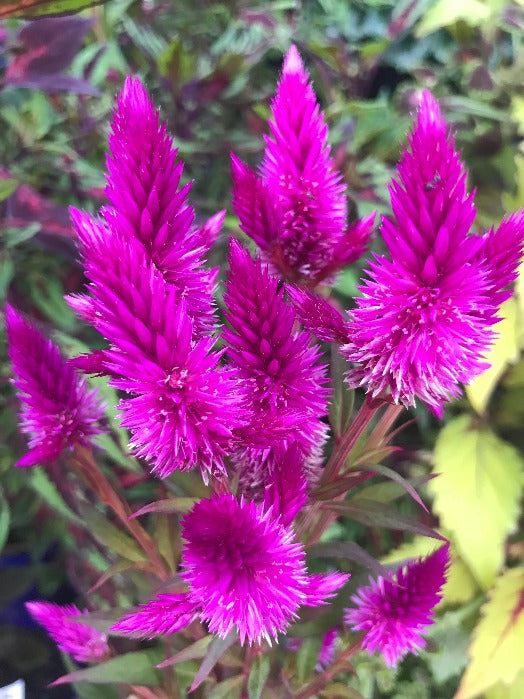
{"x": 212, "y": 68}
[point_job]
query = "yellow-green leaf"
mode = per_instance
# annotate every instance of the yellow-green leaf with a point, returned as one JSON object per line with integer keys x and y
{"x": 444, "y": 13}
{"x": 503, "y": 691}
{"x": 498, "y": 641}
{"x": 519, "y": 293}
{"x": 505, "y": 351}
{"x": 460, "y": 585}
{"x": 476, "y": 494}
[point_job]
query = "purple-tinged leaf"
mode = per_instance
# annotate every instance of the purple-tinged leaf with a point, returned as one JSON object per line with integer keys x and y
{"x": 180, "y": 505}
{"x": 131, "y": 668}
{"x": 195, "y": 651}
{"x": 45, "y": 49}
{"x": 216, "y": 650}
{"x": 43, "y": 8}
{"x": 394, "y": 476}
{"x": 375, "y": 514}
{"x": 350, "y": 551}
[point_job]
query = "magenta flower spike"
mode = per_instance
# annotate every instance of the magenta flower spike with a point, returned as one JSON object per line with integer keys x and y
{"x": 424, "y": 320}
{"x": 295, "y": 209}
{"x": 276, "y": 363}
{"x": 243, "y": 571}
{"x": 182, "y": 407}
{"x": 81, "y": 642}
{"x": 149, "y": 203}
{"x": 394, "y": 613}
{"x": 58, "y": 408}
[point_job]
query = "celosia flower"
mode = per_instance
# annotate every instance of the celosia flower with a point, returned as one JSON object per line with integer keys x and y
{"x": 425, "y": 318}
{"x": 183, "y": 407}
{"x": 395, "y": 612}
{"x": 276, "y": 363}
{"x": 243, "y": 570}
{"x": 84, "y": 644}
{"x": 149, "y": 204}
{"x": 296, "y": 208}
{"x": 58, "y": 408}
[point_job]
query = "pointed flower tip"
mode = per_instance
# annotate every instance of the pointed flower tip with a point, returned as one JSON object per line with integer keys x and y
{"x": 429, "y": 113}
{"x": 292, "y": 61}
{"x": 78, "y": 640}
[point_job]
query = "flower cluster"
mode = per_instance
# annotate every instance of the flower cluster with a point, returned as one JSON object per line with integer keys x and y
{"x": 247, "y": 403}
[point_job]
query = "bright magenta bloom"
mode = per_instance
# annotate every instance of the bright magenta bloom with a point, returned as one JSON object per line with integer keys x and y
{"x": 243, "y": 570}
{"x": 275, "y": 362}
{"x": 58, "y": 408}
{"x": 182, "y": 407}
{"x": 395, "y": 612}
{"x": 84, "y": 644}
{"x": 149, "y": 204}
{"x": 425, "y": 318}
{"x": 296, "y": 208}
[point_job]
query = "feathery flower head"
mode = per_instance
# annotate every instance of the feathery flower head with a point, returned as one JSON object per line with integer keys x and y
{"x": 183, "y": 407}
{"x": 296, "y": 208}
{"x": 84, "y": 644}
{"x": 148, "y": 202}
{"x": 277, "y": 363}
{"x": 244, "y": 571}
{"x": 58, "y": 408}
{"x": 425, "y": 318}
{"x": 395, "y": 612}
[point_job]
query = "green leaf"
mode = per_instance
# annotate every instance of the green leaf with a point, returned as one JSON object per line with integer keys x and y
{"x": 48, "y": 492}
{"x": 476, "y": 494}
{"x": 110, "y": 536}
{"x": 348, "y": 550}
{"x": 449, "y": 638}
{"x": 307, "y": 658}
{"x": 258, "y": 676}
{"x": 179, "y": 505}
{"x": 215, "y": 651}
{"x": 195, "y": 651}
{"x": 43, "y": 8}
{"x": 337, "y": 690}
{"x": 505, "y": 351}
{"x": 131, "y": 668}
{"x": 5, "y": 518}
{"x": 443, "y": 13}
{"x": 515, "y": 690}
{"x": 228, "y": 689}
{"x": 7, "y": 272}
{"x": 7, "y": 187}
{"x": 496, "y": 650}
{"x": 375, "y": 514}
